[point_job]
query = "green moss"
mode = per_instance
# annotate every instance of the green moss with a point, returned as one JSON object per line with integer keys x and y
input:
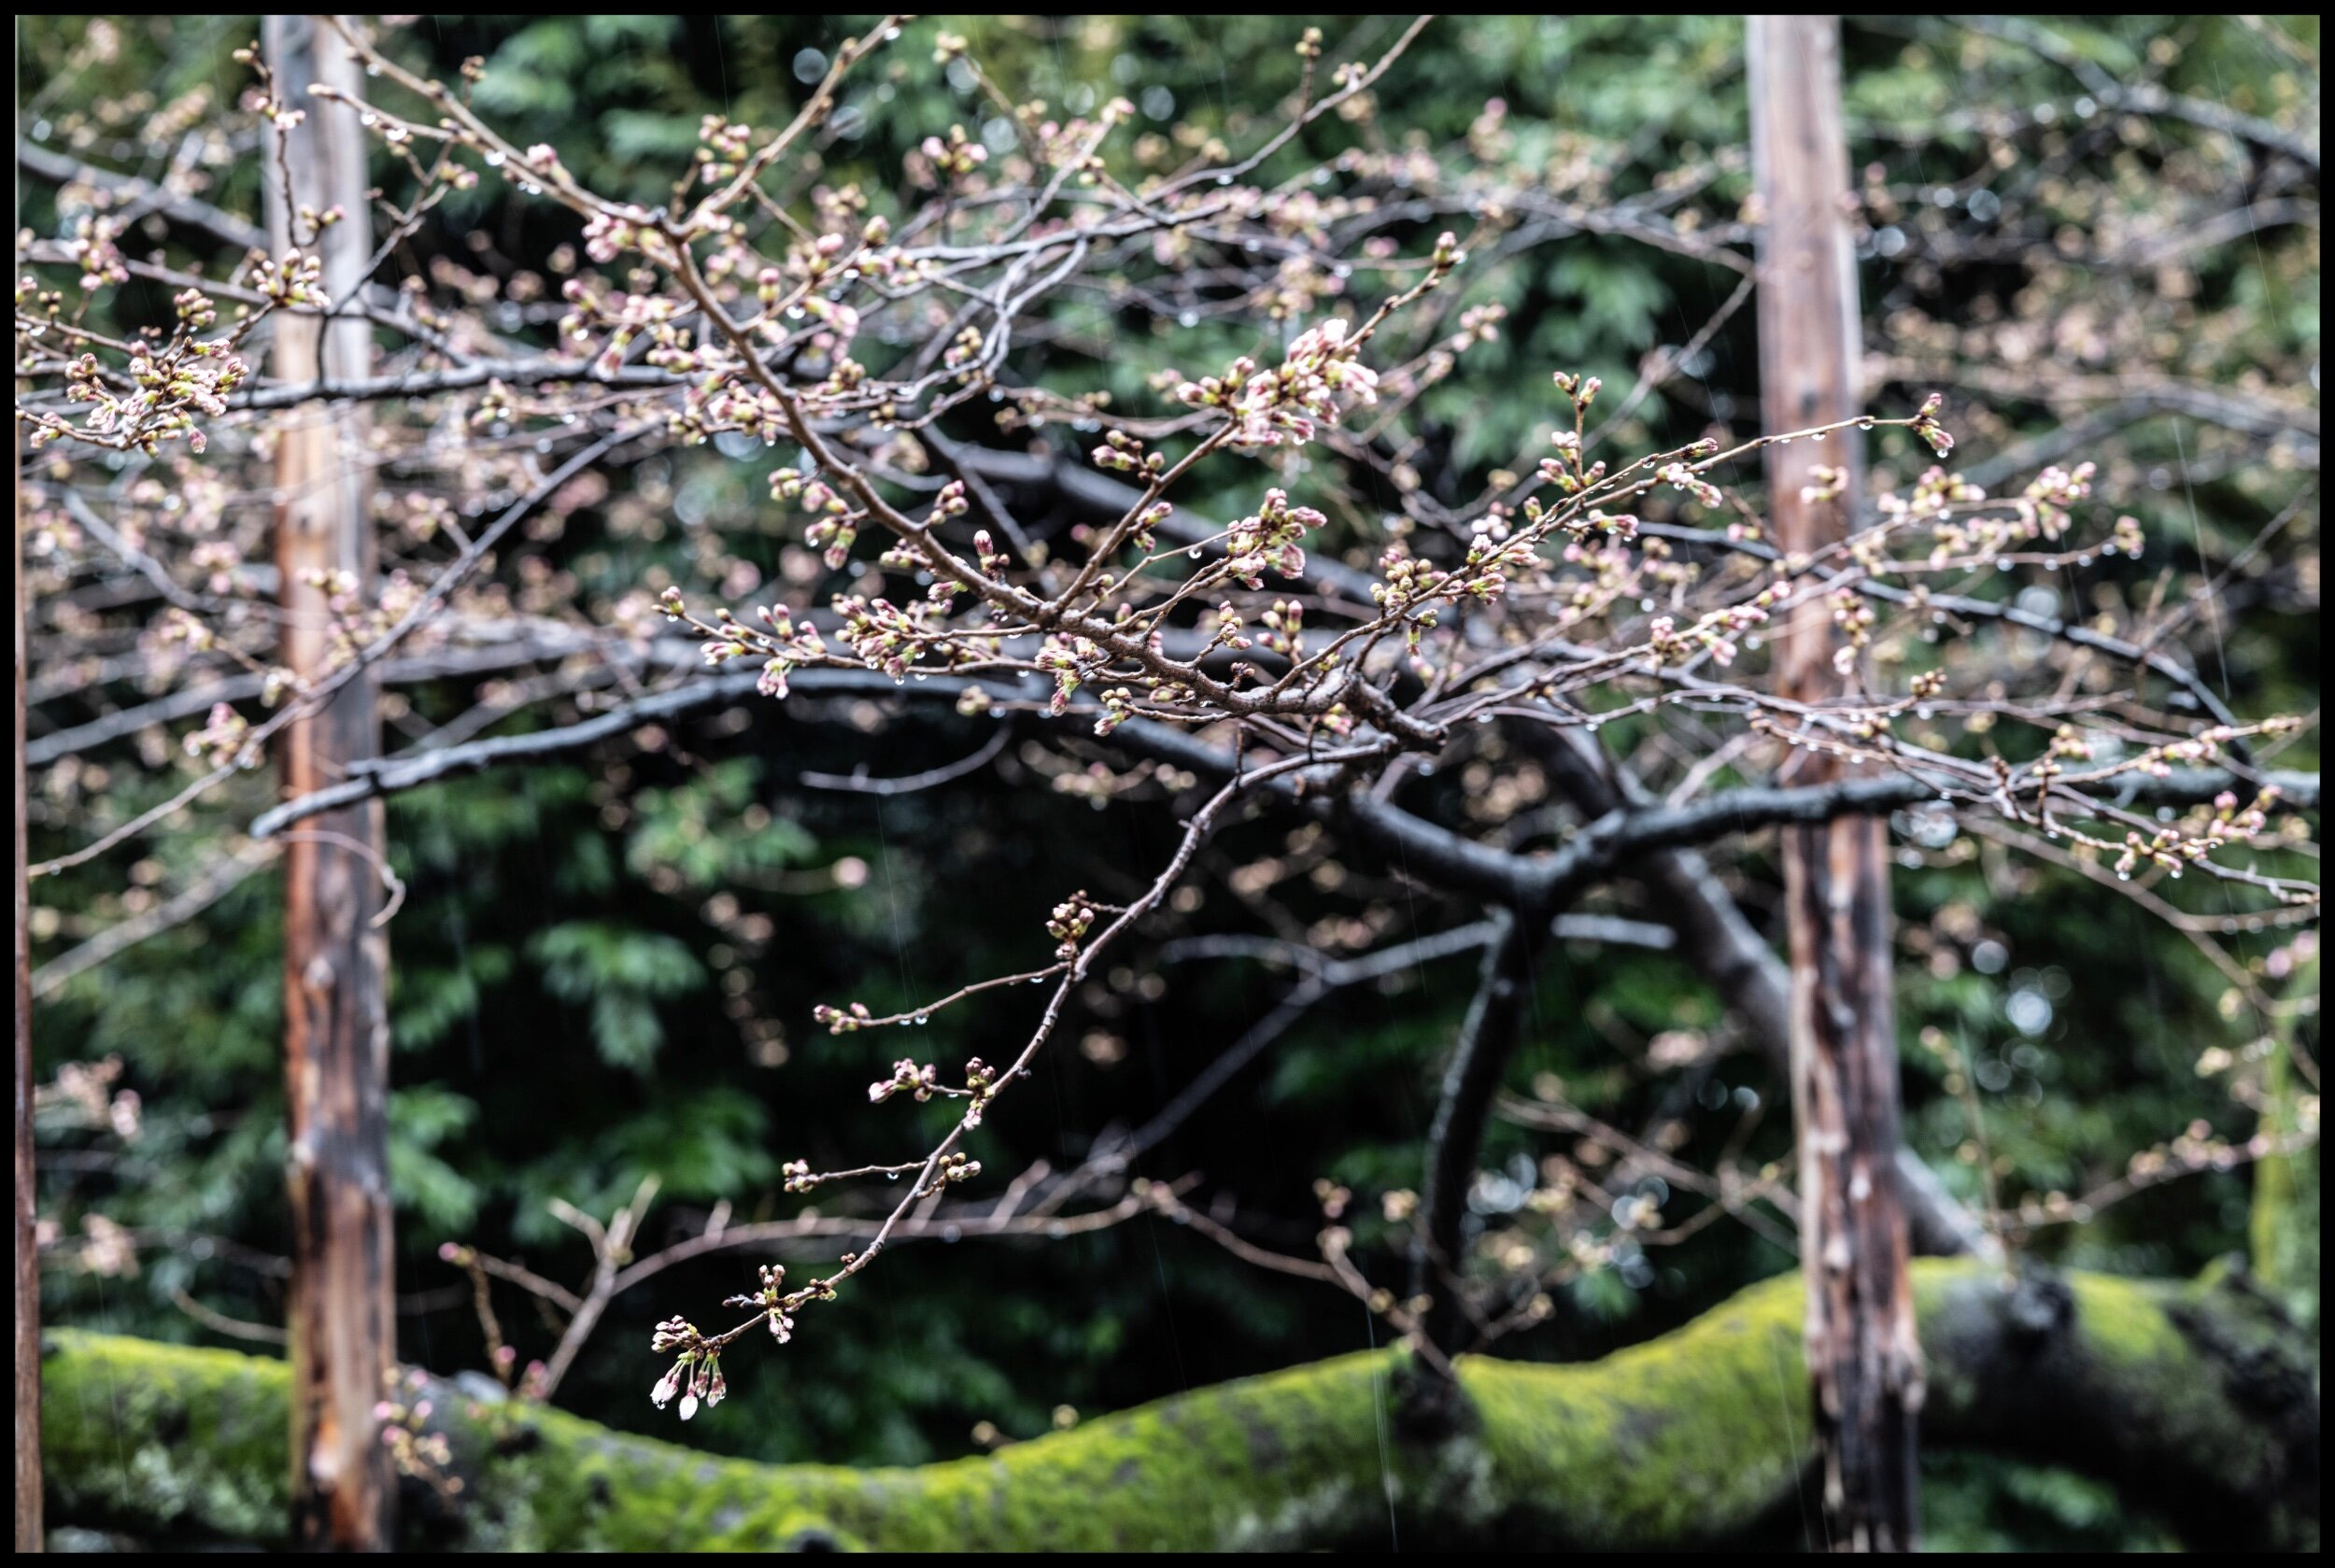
{"x": 2128, "y": 1328}
{"x": 1690, "y": 1437}
{"x": 2283, "y": 1226}
{"x": 2123, "y": 1322}
{"x": 166, "y": 1435}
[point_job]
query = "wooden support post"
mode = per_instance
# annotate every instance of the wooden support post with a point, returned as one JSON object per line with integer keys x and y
{"x": 28, "y": 1482}
{"x": 1864, "y": 1357}
{"x": 342, "y": 1315}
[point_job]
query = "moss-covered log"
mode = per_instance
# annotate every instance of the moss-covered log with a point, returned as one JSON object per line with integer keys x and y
{"x": 2196, "y": 1399}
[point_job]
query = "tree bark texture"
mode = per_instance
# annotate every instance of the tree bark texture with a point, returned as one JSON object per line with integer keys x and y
{"x": 341, "y": 1317}
{"x": 1863, "y": 1355}
{"x": 28, "y": 1486}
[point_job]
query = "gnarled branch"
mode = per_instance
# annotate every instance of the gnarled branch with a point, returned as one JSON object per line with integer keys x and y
{"x": 2196, "y": 1399}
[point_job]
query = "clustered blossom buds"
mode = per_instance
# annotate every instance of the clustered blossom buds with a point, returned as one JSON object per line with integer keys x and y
{"x": 1681, "y": 478}
{"x": 1490, "y": 559}
{"x": 194, "y": 307}
{"x": 1927, "y": 427}
{"x": 724, "y": 148}
{"x": 982, "y": 1080}
{"x": 698, "y": 1370}
{"x": 1285, "y": 629}
{"x": 950, "y": 502}
{"x": 1934, "y": 494}
{"x": 1272, "y": 539}
{"x": 1319, "y": 377}
{"x": 1406, "y": 587}
{"x": 1118, "y": 706}
{"x": 495, "y": 408}
{"x": 1582, "y": 390}
{"x": 1068, "y": 924}
{"x": 1122, "y": 454}
{"x": 957, "y": 157}
{"x": 2171, "y": 848}
{"x": 834, "y": 534}
{"x": 86, "y": 1090}
{"x": 93, "y": 249}
{"x": 221, "y": 740}
{"x": 185, "y": 378}
{"x": 1640, "y": 1212}
{"x": 611, "y": 231}
{"x": 775, "y": 1304}
{"x": 2042, "y": 507}
{"x": 1856, "y": 620}
{"x": 1068, "y": 658}
{"x": 2158, "y": 761}
{"x": 413, "y": 1450}
{"x": 906, "y": 1076}
{"x": 839, "y": 1021}
{"x": 2195, "y": 1148}
{"x": 993, "y": 561}
{"x": 1716, "y": 631}
{"x": 882, "y": 636}
{"x": 295, "y": 280}
{"x": 1828, "y": 484}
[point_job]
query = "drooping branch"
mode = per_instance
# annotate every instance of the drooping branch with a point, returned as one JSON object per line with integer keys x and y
{"x": 364, "y": 664}
{"x": 1323, "y": 975}
{"x": 398, "y": 774}
{"x": 187, "y": 211}
{"x": 1450, "y": 860}
{"x": 1750, "y": 980}
{"x": 2145, "y": 98}
{"x": 498, "y": 648}
{"x": 221, "y": 878}
{"x": 1471, "y": 1079}
{"x": 2087, "y": 432}
{"x": 2197, "y": 1401}
{"x": 1083, "y": 487}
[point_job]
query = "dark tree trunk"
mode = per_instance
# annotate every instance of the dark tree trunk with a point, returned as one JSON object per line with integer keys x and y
{"x": 1479, "y": 1062}
{"x": 28, "y": 1534}
{"x": 1863, "y": 1354}
{"x": 335, "y": 1033}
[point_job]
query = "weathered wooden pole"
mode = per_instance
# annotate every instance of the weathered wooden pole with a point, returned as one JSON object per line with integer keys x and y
{"x": 28, "y": 1482}
{"x": 1864, "y": 1357}
{"x": 342, "y": 1320}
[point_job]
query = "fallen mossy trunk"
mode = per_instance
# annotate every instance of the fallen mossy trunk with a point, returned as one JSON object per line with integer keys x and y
{"x": 2196, "y": 1399}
